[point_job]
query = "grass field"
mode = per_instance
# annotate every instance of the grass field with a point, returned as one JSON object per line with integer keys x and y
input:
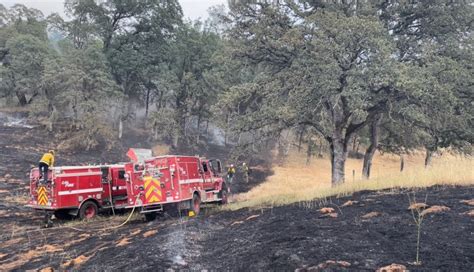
{"x": 295, "y": 181}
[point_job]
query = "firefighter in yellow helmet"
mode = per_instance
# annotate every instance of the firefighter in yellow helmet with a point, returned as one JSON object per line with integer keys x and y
{"x": 47, "y": 160}
{"x": 230, "y": 173}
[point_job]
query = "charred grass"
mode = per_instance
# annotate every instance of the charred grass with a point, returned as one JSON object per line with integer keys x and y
{"x": 375, "y": 229}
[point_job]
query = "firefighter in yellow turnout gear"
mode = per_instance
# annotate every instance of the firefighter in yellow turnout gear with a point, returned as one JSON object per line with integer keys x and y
{"x": 246, "y": 170}
{"x": 230, "y": 173}
{"x": 47, "y": 160}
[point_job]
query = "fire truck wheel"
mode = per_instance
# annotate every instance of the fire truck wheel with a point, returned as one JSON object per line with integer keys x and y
{"x": 196, "y": 204}
{"x": 150, "y": 216}
{"x": 88, "y": 210}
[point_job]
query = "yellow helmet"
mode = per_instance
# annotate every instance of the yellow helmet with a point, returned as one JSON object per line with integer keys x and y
{"x": 51, "y": 151}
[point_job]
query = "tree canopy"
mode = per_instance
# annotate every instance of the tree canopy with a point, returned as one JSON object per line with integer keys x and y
{"x": 396, "y": 75}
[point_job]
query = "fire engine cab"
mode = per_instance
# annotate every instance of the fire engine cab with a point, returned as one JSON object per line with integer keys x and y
{"x": 170, "y": 182}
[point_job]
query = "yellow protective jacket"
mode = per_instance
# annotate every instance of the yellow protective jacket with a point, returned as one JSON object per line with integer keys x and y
{"x": 48, "y": 158}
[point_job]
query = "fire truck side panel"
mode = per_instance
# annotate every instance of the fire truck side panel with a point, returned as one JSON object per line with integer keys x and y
{"x": 65, "y": 188}
{"x": 76, "y": 187}
{"x": 182, "y": 168}
{"x": 134, "y": 182}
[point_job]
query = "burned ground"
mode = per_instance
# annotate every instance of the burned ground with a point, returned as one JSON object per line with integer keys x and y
{"x": 376, "y": 230}
{"x": 280, "y": 238}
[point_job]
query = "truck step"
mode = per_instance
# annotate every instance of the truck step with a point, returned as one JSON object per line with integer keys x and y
{"x": 118, "y": 198}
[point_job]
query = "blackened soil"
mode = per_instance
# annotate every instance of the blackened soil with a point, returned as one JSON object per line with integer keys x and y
{"x": 278, "y": 239}
{"x": 294, "y": 236}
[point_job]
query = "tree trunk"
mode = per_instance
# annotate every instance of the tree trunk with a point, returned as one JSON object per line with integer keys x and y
{"x": 320, "y": 148}
{"x": 309, "y": 151}
{"x": 281, "y": 152}
{"x": 300, "y": 139}
{"x": 428, "y": 157}
{"x": 180, "y": 132}
{"x": 198, "y": 129}
{"x": 160, "y": 100}
{"x": 226, "y": 129}
{"x": 338, "y": 161}
{"x": 120, "y": 132}
{"x": 402, "y": 163}
{"x": 374, "y": 142}
{"x": 147, "y": 105}
{"x": 21, "y": 98}
{"x": 52, "y": 118}
{"x": 354, "y": 145}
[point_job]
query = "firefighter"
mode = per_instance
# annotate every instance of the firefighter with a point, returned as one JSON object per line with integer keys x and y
{"x": 246, "y": 170}
{"x": 230, "y": 173}
{"x": 47, "y": 160}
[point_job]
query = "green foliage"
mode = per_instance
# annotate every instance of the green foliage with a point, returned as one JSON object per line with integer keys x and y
{"x": 23, "y": 50}
{"x": 327, "y": 68}
{"x": 79, "y": 83}
{"x": 182, "y": 88}
{"x": 22, "y": 71}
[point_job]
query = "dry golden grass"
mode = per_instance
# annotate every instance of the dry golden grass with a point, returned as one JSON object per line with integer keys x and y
{"x": 10, "y": 109}
{"x": 295, "y": 181}
{"x": 159, "y": 150}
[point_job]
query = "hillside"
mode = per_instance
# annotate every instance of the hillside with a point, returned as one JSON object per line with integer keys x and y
{"x": 376, "y": 230}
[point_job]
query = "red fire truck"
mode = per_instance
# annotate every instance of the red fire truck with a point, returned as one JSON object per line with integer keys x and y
{"x": 174, "y": 182}
{"x": 79, "y": 190}
{"x": 151, "y": 186}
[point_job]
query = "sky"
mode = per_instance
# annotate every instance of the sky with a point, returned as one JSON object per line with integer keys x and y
{"x": 192, "y": 9}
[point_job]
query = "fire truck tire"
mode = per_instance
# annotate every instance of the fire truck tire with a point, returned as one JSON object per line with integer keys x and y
{"x": 150, "y": 216}
{"x": 62, "y": 215}
{"x": 88, "y": 210}
{"x": 196, "y": 204}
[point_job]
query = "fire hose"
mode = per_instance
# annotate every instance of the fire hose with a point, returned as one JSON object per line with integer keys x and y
{"x": 78, "y": 229}
{"x": 113, "y": 227}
